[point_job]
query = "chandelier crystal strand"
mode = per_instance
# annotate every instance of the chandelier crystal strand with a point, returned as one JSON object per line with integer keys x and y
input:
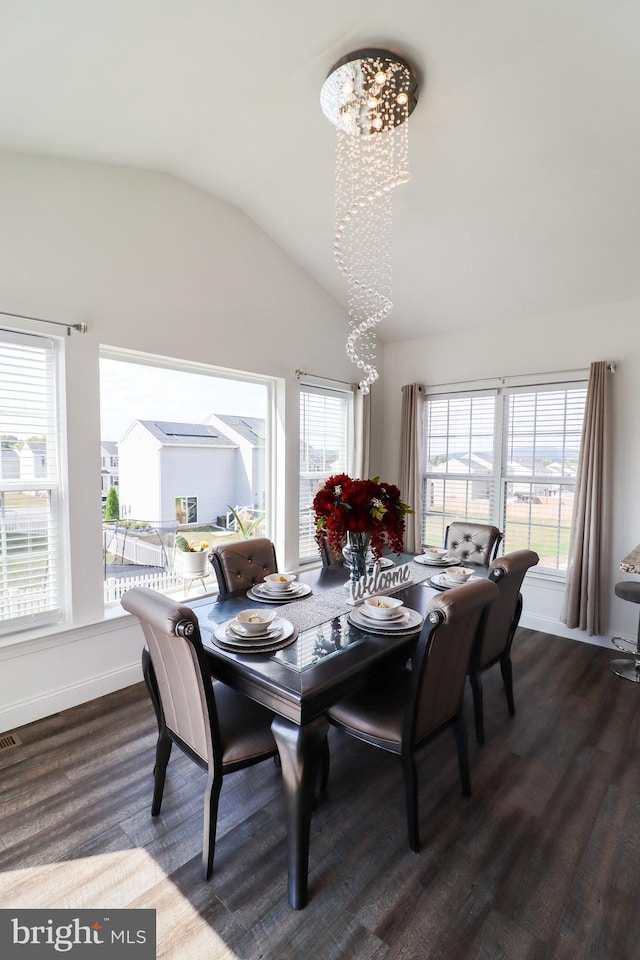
{"x": 369, "y": 98}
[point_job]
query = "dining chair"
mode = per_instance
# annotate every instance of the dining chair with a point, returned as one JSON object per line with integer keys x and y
{"x": 242, "y": 563}
{"x": 409, "y": 705}
{"x": 474, "y": 543}
{"x": 494, "y": 639}
{"x": 216, "y": 727}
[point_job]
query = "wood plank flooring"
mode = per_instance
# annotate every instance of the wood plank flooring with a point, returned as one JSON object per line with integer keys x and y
{"x": 542, "y": 863}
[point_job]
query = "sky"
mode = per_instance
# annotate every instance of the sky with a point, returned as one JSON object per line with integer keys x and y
{"x": 131, "y": 391}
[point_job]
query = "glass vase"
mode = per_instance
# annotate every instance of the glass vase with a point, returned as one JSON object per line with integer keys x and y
{"x": 356, "y": 554}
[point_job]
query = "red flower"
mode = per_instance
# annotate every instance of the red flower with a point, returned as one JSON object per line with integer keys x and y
{"x": 360, "y": 506}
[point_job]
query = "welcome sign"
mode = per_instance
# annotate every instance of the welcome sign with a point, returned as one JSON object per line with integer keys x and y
{"x": 380, "y": 581}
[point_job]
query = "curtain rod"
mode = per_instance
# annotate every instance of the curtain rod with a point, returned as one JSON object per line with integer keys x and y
{"x": 80, "y": 327}
{"x": 303, "y": 373}
{"x": 612, "y": 366}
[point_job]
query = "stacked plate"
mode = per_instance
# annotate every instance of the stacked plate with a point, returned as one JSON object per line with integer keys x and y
{"x": 231, "y": 635}
{"x": 400, "y": 620}
{"x": 442, "y": 582}
{"x": 268, "y": 594}
{"x": 436, "y": 562}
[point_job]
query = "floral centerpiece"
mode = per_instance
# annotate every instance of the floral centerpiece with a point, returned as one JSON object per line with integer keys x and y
{"x": 371, "y": 510}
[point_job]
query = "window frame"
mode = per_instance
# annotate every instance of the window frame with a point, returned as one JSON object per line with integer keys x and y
{"x": 271, "y": 384}
{"x": 501, "y": 478}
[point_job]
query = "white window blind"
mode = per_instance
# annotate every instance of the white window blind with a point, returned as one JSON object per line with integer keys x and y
{"x": 507, "y": 457}
{"x": 460, "y": 452}
{"x": 542, "y": 430}
{"x": 326, "y": 445}
{"x": 30, "y": 580}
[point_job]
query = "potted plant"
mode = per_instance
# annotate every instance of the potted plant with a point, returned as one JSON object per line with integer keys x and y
{"x": 193, "y": 559}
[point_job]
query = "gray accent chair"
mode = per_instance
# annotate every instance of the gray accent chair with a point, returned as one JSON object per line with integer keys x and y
{"x": 219, "y": 729}
{"x": 473, "y": 543}
{"x": 493, "y": 643}
{"x": 241, "y": 564}
{"x": 410, "y": 705}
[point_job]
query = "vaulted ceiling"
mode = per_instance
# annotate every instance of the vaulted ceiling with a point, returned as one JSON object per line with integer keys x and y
{"x": 524, "y": 146}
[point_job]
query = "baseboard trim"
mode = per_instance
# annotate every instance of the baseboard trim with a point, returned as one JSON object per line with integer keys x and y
{"x": 53, "y": 701}
{"x": 558, "y": 629}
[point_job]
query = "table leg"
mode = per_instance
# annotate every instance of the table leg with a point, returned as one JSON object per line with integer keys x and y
{"x": 299, "y": 749}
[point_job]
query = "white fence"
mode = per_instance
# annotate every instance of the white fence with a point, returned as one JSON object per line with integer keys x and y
{"x": 135, "y": 549}
{"x": 164, "y": 582}
{"x": 20, "y": 603}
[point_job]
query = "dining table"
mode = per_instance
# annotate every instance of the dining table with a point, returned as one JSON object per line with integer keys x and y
{"x": 329, "y": 658}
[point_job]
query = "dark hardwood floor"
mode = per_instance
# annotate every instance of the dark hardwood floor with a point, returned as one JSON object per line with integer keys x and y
{"x": 543, "y": 862}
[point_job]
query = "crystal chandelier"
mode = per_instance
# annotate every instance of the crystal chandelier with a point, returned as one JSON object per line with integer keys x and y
{"x": 368, "y": 95}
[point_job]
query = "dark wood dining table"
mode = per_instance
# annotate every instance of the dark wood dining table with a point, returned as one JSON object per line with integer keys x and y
{"x": 299, "y": 683}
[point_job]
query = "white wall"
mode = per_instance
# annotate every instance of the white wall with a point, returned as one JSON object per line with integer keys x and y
{"x": 153, "y": 265}
{"x": 567, "y": 341}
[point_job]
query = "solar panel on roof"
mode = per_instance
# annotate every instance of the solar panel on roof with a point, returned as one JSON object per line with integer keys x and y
{"x": 187, "y": 430}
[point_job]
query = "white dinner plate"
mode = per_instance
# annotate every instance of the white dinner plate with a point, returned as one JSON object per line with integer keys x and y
{"x": 258, "y": 592}
{"x": 411, "y": 622}
{"x": 270, "y": 630}
{"x": 442, "y": 562}
{"x": 442, "y": 582}
{"x": 282, "y": 630}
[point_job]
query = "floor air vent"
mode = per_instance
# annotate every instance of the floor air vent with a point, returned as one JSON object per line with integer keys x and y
{"x": 9, "y": 740}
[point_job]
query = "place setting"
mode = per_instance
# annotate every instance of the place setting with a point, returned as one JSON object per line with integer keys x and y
{"x": 453, "y": 577}
{"x": 383, "y": 614}
{"x": 435, "y": 557}
{"x": 278, "y": 588}
{"x": 255, "y": 631}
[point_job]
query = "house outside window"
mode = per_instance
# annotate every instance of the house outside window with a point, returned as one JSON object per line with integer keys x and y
{"x": 326, "y": 445}
{"x": 31, "y": 575}
{"x": 507, "y": 457}
{"x": 165, "y": 424}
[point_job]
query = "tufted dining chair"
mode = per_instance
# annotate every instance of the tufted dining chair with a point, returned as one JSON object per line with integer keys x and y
{"x": 216, "y": 727}
{"x": 242, "y": 563}
{"x": 408, "y": 706}
{"x": 493, "y": 643}
{"x": 475, "y": 543}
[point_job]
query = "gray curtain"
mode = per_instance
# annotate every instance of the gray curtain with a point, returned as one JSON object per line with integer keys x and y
{"x": 411, "y": 463}
{"x": 362, "y": 428}
{"x": 584, "y": 599}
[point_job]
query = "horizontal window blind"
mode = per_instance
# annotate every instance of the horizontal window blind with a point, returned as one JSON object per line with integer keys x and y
{"x": 30, "y": 579}
{"x": 507, "y": 457}
{"x": 460, "y": 452}
{"x": 542, "y": 432}
{"x": 326, "y": 430}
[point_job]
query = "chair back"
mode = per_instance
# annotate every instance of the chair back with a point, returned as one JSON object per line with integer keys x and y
{"x": 184, "y": 682}
{"x": 442, "y": 656}
{"x": 241, "y": 564}
{"x": 503, "y": 616}
{"x": 475, "y": 543}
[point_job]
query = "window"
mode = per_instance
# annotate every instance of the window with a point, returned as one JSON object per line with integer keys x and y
{"x": 30, "y": 575}
{"x": 507, "y": 457}
{"x": 326, "y": 432}
{"x": 187, "y": 509}
{"x": 189, "y": 442}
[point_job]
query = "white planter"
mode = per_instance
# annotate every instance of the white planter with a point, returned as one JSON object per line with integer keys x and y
{"x": 194, "y": 565}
